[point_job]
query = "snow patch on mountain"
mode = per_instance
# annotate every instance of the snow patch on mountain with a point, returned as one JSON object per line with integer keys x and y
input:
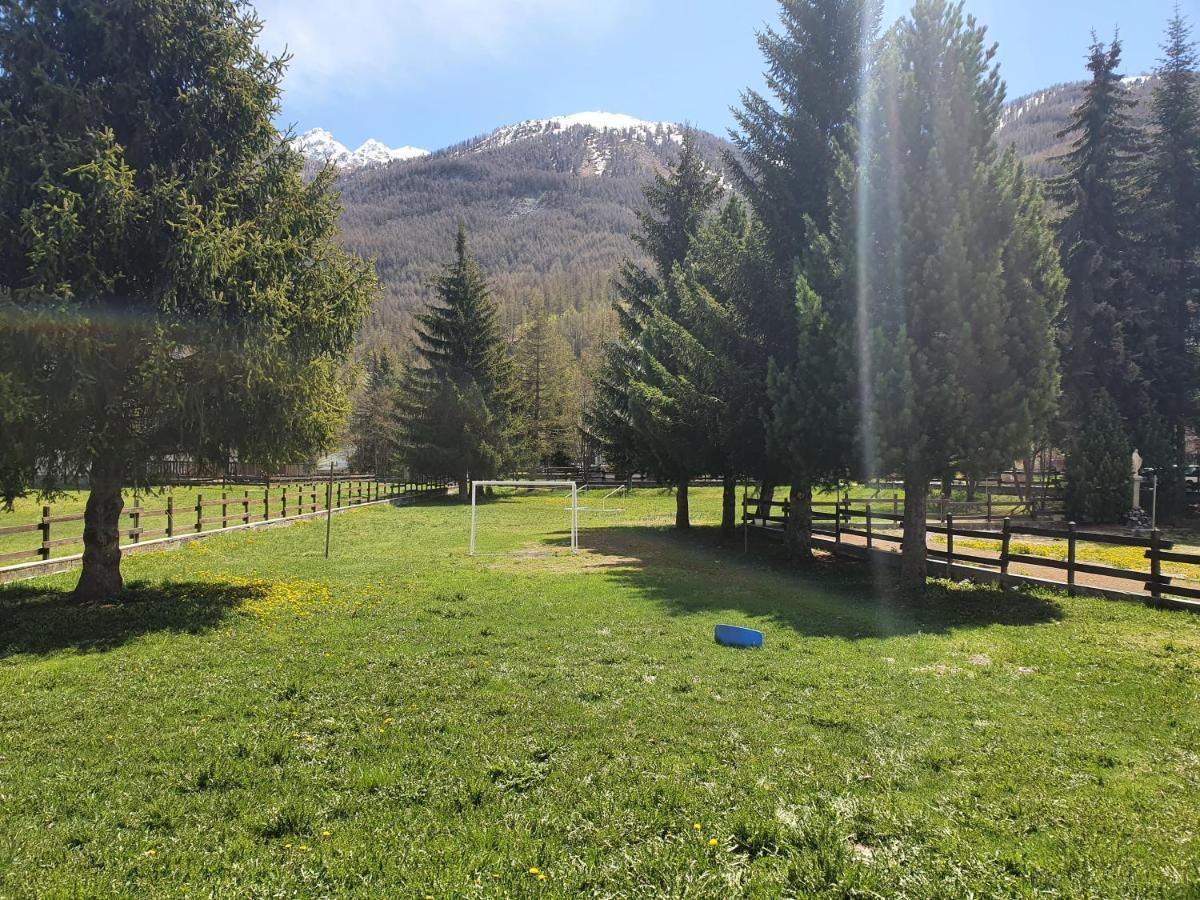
{"x": 321, "y": 146}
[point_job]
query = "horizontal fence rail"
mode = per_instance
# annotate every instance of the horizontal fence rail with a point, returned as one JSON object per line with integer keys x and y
{"x": 278, "y": 500}
{"x": 835, "y": 523}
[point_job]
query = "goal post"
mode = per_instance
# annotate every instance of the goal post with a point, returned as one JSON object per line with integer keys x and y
{"x": 475, "y": 485}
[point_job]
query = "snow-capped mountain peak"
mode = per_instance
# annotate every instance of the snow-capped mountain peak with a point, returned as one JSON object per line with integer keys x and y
{"x": 603, "y": 122}
{"x": 321, "y": 146}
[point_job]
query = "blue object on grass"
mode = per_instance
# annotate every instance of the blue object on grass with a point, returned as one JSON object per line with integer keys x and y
{"x": 736, "y": 636}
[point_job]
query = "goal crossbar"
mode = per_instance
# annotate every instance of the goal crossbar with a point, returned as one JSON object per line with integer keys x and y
{"x": 531, "y": 484}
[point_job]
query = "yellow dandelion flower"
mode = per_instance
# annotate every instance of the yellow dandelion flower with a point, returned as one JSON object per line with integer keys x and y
{"x": 287, "y": 846}
{"x": 151, "y": 852}
{"x": 712, "y": 842}
{"x": 696, "y": 826}
{"x": 326, "y": 833}
{"x": 541, "y": 876}
{"x": 534, "y": 870}
{"x": 305, "y": 846}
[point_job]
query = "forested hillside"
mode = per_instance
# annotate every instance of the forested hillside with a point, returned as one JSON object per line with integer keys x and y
{"x": 549, "y": 207}
{"x": 1033, "y": 123}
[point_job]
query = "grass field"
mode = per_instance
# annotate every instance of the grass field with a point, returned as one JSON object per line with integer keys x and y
{"x": 407, "y": 721}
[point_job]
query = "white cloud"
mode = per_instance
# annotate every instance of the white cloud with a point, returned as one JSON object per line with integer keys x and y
{"x": 358, "y": 45}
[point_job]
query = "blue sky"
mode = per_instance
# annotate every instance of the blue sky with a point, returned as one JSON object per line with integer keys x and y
{"x": 430, "y": 73}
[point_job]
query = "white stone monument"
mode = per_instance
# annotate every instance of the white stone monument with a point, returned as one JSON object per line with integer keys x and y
{"x": 1137, "y": 480}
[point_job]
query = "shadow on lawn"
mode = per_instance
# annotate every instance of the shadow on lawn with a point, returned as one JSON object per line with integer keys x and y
{"x": 701, "y": 573}
{"x": 39, "y": 621}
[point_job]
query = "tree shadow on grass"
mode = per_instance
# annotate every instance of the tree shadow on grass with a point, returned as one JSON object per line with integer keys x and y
{"x": 701, "y": 573}
{"x": 38, "y": 621}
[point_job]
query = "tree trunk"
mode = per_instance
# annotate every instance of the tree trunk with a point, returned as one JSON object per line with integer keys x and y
{"x": 1029, "y": 494}
{"x": 100, "y": 579}
{"x": 972, "y": 487}
{"x": 765, "y": 496}
{"x": 464, "y": 490}
{"x": 797, "y": 539}
{"x": 947, "y": 485}
{"x": 682, "y": 520}
{"x": 728, "y": 505}
{"x": 913, "y": 557}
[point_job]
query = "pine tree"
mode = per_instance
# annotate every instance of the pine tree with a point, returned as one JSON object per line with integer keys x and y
{"x": 813, "y": 392}
{"x": 1098, "y": 465}
{"x": 169, "y": 284}
{"x": 623, "y": 419}
{"x": 372, "y": 433}
{"x": 1169, "y": 252}
{"x": 790, "y": 155}
{"x": 943, "y": 213}
{"x": 731, "y": 271}
{"x": 456, "y": 410}
{"x": 547, "y": 407}
{"x": 1101, "y": 335}
{"x": 788, "y": 149}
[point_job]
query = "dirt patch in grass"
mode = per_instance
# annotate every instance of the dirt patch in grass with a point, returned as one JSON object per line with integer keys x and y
{"x": 559, "y": 561}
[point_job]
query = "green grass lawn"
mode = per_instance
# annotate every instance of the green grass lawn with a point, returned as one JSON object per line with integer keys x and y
{"x": 406, "y": 721}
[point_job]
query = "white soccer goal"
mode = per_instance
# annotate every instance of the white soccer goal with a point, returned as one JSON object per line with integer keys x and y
{"x": 573, "y": 508}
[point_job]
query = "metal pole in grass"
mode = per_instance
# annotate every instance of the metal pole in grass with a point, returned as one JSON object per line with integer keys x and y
{"x": 472, "y": 484}
{"x": 328, "y": 508}
{"x": 1154, "y": 504}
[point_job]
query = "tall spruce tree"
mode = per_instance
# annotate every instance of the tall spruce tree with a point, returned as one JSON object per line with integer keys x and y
{"x": 1104, "y": 321}
{"x": 457, "y": 403}
{"x": 1169, "y": 254}
{"x": 941, "y": 215}
{"x": 791, "y": 150}
{"x": 813, "y": 392}
{"x": 631, "y": 419}
{"x": 169, "y": 284}
{"x": 731, "y": 271}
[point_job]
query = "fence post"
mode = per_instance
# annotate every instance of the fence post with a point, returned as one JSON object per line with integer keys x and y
{"x": 339, "y": 495}
{"x": 950, "y": 545}
{"x": 136, "y": 515}
{"x": 787, "y": 511}
{"x": 870, "y": 541}
{"x": 224, "y": 510}
{"x": 245, "y": 507}
{"x": 837, "y": 521}
{"x": 267, "y": 503}
{"x": 1004, "y": 546}
{"x": 1155, "y": 564}
{"x": 989, "y": 505}
{"x": 895, "y": 504}
{"x": 1070, "y": 559}
{"x": 199, "y": 513}
{"x": 44, "y": 550}
{"x": 170, "y": 515}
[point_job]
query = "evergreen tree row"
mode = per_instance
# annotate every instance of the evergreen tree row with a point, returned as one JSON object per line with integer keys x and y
{"x": 892, "y": 295}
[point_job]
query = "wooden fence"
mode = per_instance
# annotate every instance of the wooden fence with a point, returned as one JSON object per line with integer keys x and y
{"x": 842, "y": 526}
{"x": 282, "y": 498}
